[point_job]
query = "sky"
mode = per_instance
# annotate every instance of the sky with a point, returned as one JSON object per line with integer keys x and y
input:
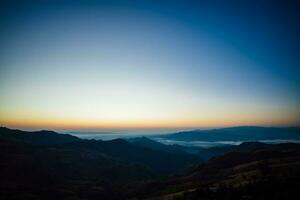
{"x": 124, "y": 65}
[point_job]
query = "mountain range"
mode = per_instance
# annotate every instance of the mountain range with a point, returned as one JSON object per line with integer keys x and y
{"x": 242, "y": 133}
{"x": 50, "y": 165}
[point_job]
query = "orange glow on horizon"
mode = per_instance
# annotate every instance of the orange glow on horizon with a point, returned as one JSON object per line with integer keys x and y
{"x": 79, "y": 124}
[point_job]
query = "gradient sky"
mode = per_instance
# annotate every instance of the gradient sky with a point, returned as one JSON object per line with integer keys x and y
{"x": 149, "y": 64}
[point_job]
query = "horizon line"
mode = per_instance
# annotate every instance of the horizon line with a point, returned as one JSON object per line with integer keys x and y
{"x": 161, "y": 130}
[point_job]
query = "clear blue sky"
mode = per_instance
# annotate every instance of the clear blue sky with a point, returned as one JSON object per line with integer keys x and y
{"x": 149, "y": 64}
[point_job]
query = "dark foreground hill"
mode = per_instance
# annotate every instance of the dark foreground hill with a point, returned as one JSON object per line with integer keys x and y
{"x": 259, "y": 174}
{"x": 43, "y": 164}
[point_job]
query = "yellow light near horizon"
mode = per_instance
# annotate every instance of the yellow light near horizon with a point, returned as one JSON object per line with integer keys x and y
{"x": 187, "y": 122}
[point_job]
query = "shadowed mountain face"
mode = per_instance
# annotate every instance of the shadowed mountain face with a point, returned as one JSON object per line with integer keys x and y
{"x": 118, "y": 149}
{"x": 48, "y": 165}
{"x": 244, "y": 133}
{"x": 206, "y": 154}
{"x": 148, "y": 143}
{"x": 259, "y": 174}
{"x": 42, "y": 164}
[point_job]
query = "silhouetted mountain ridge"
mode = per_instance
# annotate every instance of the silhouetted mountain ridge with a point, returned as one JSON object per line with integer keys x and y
{"x": 206, "y": 154}
{"x": 242, "y": 133}
{"x": 42, "y": 137}
{"x": 149, "y": 143}
{"x": 74, "y": 168}
{"x": 158, "y": 161}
